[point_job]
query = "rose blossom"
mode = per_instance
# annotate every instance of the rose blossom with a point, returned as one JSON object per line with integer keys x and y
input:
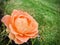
{"x": 20, "y": 26}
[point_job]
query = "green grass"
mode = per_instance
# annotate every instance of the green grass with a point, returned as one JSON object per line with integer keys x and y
{"x": 46, "y": 13}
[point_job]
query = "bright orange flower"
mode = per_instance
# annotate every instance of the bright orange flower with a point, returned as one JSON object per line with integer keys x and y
{"x": 20, "y": 26}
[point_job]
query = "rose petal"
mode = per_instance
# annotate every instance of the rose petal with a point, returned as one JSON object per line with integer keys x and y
{"x": 18, "y": 41}
{"x": 32, "y": 28}
{"x": 22, "y": 38}
{"x": 13, "y": 30}
{"x": 17, "y": 12}
{"x": 21, "y": 24}
{"x": 32, "y": 34}
{"x": 11, "y": 36}
{"x": 6, "y": 20}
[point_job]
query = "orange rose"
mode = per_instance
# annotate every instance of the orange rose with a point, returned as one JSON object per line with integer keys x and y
{"x": 20, "y": 26}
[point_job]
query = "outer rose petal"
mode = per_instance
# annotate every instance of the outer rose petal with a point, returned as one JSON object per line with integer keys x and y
{"x": 32, "y": 34}
{"x": 22, "y": 38}
{"x": 11, "y": 36}
{"x": 14, "y": 31}
{"x": 6, "y": 20}
{"x": 18, "y": 41}
{"x": 18, "y": 13}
